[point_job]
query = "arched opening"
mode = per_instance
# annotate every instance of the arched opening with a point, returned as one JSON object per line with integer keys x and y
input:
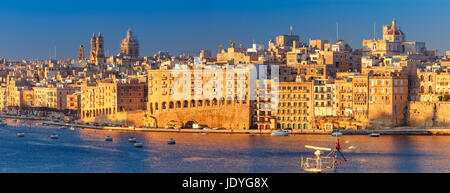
{"x": 190, "y": 123}
{"x": 163, "y": 106}
{"x": 178, "y": 104}
{"x": 192, "y": 103}
{"x": 185, "y": 104}
{"x": 215, "y": 102}
{"x": 170, "y": 105}
{"x": 199, "y": 103}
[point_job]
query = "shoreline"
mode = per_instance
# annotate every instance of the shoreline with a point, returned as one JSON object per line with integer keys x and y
{"x": 392, "y": 131}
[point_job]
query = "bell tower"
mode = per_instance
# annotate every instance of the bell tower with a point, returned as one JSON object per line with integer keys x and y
{"x": 100, "y": 53}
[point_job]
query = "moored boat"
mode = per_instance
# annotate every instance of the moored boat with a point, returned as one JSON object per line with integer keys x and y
{"x": 280, "y": 133}
{"x": 336, "y": 134}
{"x": 171, "y": 141}
{"x": 138, "y": 145}
{"x": 54, "y": 136}
{"x": 108, "y": 138}
{"x": 132, "y": 140}
{"x": 374, "y": 135}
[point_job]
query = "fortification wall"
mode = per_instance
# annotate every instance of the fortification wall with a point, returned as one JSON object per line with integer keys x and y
{"x": 230, "y": 117}
{"x": 429, "y": 114}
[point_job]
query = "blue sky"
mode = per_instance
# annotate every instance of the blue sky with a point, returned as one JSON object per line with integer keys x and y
{"x": 32, "y": 29}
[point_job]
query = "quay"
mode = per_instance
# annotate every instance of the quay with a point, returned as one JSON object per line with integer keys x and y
{"x": 387, "y": 131}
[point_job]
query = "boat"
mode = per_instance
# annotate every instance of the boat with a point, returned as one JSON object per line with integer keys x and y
{"x": 320, "y": 163}
{"x": 20, "y": 134}
{"x": 336, "y": 134}
{"x": 72, "y": 128}
{"x": 3, "y": 124}
{"x": 108, "y": 138}
{"x": 374, "y": 135}
{"x": 138, "y": 145}
{"x": 54, "y": 136}
{"x": 280, "y": 133}
{"x": 63, "y": 127}
{"x": 132, "y": 140}
{"x": 171, "y": 141}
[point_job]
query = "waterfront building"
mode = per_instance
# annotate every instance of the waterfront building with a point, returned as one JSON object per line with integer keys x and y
{"x": 182, "y": 96}
{"x": 295, "y": 109}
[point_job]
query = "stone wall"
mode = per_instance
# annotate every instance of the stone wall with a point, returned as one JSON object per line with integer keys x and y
{"x": 228, "y": 116}
{"x": 135, "y": 118}
{"x": 429, "y": 114}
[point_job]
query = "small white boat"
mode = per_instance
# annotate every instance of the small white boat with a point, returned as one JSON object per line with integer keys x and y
{"x": 132, "y": 140}
{"x": 374, "y": 135}
{"x": 3, "y": 124}
{"x": 108, "y": 138}
{"x": 280, "y": 133}
{"x": 138, "y": 145}
{"x": 336, "y": 134}
{"x": 20, "y": 134}
{"x": 171, "y": 141}
{"x": 54, "y": 136}
{"x": 63, "y": 127}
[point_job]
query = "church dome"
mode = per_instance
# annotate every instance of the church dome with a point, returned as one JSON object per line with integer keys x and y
{"x": 394, "y": 32}
{"x": 128, "y": 39}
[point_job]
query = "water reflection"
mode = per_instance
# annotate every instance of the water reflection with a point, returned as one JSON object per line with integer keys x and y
{"x": 85, "y": 150}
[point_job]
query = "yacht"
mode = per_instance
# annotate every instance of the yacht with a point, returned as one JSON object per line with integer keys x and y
{"x": 336, "y": 134}
{"x": 54, "y": 136}
{"x": 280, "y": 133}
{"x": 2, "y": 123}
{"x": 20, "y": 134}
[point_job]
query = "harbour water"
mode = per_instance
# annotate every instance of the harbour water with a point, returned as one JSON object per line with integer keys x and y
{"x": 85, "y": 150}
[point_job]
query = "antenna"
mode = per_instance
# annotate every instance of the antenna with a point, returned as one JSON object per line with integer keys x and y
{"x": 374, "y": 31}
{"x": 337, "y": 31}
{"x": 290, "y": 28}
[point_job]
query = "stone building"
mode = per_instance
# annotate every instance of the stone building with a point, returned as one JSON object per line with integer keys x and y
{"x": 97, "y": 54}
{"x": 182, "y": 96}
